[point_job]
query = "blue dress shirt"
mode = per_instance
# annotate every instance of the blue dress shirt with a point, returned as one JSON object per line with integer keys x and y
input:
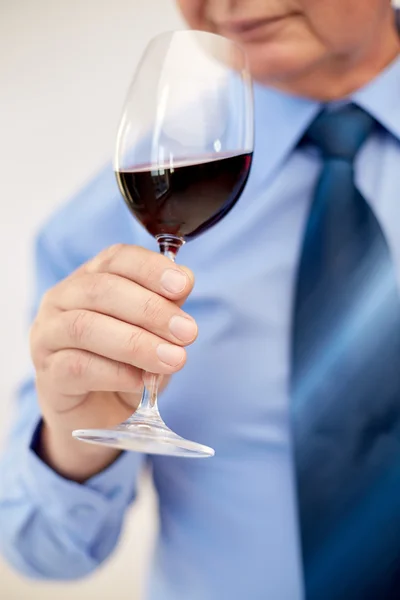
{"x": 228, "y": 524}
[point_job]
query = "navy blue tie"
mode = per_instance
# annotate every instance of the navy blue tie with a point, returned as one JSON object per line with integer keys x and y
{"x": 345, "y": 380}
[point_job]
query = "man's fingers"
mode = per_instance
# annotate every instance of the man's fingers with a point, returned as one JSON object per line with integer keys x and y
{"x": 127, "y": 301}
{"x": 149, "y": 269}
{"x": 111, "y": 338}
{"x": 78, "y": 372}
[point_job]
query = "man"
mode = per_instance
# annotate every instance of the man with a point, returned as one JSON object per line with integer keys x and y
{"x": 297, "y": 311}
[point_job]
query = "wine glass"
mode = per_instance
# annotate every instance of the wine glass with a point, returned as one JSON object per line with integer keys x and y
{"x": 183, "y": 154}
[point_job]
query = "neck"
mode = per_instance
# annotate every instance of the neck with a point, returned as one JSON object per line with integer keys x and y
{"x": 342, "y": 75}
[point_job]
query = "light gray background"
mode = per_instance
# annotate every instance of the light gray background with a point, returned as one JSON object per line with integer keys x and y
{"x": 64, "y": 69}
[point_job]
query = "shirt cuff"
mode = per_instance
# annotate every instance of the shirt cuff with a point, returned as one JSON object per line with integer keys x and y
{"x": 83, "y": 508}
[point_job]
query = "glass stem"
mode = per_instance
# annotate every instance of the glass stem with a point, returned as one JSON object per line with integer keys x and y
{"x": 169, "y": 246}
{"x": 149, "y": 402}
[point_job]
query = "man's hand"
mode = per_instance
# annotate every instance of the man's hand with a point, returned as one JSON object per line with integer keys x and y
{"x": 94, "y": 334}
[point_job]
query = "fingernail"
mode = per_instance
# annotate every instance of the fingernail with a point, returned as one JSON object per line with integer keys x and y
{"x": 174, "y": 281}
{"x": 183, "y": 328}
{"x": 170, "y": 355}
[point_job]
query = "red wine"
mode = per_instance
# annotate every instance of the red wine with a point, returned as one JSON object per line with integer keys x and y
{"x": 187, "y": 199}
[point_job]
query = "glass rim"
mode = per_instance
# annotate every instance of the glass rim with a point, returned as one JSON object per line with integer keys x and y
{"x": 243, "y": 70}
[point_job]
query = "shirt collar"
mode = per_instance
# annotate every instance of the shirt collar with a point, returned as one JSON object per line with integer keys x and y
{"x": 380, "y": 97}
{"x": 280, "y": 120}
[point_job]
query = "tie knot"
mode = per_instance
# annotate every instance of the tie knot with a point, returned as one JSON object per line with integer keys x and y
{"x": 340, "y": 133}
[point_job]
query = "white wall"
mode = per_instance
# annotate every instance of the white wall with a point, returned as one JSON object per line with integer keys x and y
{"x": 64, "y": 69}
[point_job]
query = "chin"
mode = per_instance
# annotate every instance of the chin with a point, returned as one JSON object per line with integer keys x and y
{"x": 276, "y": 64}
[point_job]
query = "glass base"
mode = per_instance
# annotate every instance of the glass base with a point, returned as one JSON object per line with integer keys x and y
{"x": 139, "y": 435}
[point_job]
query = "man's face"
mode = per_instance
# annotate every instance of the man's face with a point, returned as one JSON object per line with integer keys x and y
{"x": 286, "y": 39}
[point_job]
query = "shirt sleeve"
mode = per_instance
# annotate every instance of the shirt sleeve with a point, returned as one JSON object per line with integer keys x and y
{"x": 51, "y": 527}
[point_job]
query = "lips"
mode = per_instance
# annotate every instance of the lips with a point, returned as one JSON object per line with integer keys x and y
{"x": 249, "y": 28}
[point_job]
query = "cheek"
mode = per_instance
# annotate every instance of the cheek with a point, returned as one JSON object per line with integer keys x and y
{"x": 342, "y": 24}
{"x": 295, "y": 50}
